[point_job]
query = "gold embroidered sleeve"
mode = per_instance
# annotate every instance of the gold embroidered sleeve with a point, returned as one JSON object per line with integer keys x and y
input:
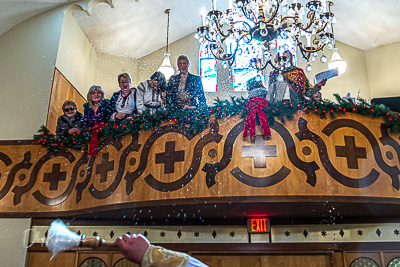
{"x": 161, "y": 257}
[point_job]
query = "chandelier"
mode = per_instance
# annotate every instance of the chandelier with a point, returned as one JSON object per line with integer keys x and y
{"x": 309, "y": 27}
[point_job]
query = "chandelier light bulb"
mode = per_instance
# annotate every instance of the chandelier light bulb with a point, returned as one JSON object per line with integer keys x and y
{"x": 166, "y": 67}
{"x": 309, "y": 68}
{"x": 203, "y": 14}
{"x": 323, "y": 59}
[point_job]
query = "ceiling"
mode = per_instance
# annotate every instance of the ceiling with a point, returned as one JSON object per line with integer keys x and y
{"x": 135, "y": 28}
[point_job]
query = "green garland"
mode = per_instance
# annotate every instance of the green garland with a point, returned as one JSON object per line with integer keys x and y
{"x": 199, "y": 119}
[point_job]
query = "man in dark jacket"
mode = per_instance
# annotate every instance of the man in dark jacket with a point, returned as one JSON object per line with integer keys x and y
{"x": 71, "y": 121}
{"x": 185, "y": 89}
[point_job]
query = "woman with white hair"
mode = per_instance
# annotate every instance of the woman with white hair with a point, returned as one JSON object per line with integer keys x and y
{"x": 96, "y": 110}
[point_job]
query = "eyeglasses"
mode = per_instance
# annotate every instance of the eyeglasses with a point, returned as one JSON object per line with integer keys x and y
{"x": 284, "y": 58}
{"x": 69, "y": 109}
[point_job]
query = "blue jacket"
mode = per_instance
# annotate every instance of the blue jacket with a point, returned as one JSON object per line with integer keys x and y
{"x": 194, "y": 87}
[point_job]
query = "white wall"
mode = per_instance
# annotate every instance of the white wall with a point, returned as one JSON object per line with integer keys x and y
{"x": 76, "y": 57}
{"x": 383, "y": 64}
{"x": 83, "y": 66}
{"x": 109, "y": 67}
{"x": 13, "y": 241}
{"x": 27, "y": 58}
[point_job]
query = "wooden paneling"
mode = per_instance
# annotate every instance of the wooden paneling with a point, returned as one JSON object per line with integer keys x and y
{"x": 351, "y": 159}
{"x": 105, "y": 257}
{"x": 118, "y": 260}
{"x": 42, "y": 259}
{"x": 296, "y": 261}
{"x": 349, "y": 257}
{"x": 61, "y": 91}
{"x": 234, "y": 258}
{"x": 230, "y": 261}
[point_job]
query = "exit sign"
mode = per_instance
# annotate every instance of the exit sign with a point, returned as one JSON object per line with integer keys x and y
{"x": 258, "y": 225}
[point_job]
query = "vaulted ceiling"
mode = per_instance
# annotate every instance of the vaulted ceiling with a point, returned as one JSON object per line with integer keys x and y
{"x": 136, "y": 28}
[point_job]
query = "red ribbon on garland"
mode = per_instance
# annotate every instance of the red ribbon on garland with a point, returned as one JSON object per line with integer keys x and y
{"x": 256, "y": 104}
{"x": 95, "y": 139}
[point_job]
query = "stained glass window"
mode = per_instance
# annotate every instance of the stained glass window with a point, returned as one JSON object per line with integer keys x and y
{"x": 241, "y": 71}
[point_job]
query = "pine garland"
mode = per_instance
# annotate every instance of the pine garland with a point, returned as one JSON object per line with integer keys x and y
{"x": 197, "y": 120}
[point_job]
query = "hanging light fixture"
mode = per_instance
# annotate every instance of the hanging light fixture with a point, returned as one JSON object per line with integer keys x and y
{"x": 166, "y": 67}
{"x": 337, "y": 62}
{"x": 265, "y": 20}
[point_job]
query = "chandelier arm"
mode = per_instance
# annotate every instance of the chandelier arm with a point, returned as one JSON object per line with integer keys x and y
{"x": 277, "y": 67}
{"x": 289, "y": 18}
{"x": 209, "y": 39}
{"x": 246, "y": 13}
{"x": 300, "y": 45}
{"x": 269, "y": 62}
{"x": 216, "y": 55}
{"x": 322, "y": 28}
{"x": 229, "y": 32}
{"x": 311, "y": 17}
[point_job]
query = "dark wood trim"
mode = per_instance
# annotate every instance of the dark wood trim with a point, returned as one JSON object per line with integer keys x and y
{"x": 258, "y": 248}
{"x": 17, "y": 142}
{"x": 236, "y": 207}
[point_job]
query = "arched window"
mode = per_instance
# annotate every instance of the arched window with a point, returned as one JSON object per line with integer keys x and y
{"x": 208, "y": 68}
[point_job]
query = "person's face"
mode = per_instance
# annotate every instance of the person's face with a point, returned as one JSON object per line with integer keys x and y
{"x": 96, "y": 96}
{"x": 154, "y": 84}
{"x": 288, "y": 57}
{"x": 183, "y": 66}
{"x": 318, "y": 96}
{"x": 124, "y": 83}
{"x": 69, "y": 111}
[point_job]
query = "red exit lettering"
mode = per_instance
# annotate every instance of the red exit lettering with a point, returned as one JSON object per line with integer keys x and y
{"x": 258, "y": 225}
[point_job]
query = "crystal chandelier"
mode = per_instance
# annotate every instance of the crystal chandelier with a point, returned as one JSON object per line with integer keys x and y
{"x": 166, "y": 67}
{"x": 309, "y": 27}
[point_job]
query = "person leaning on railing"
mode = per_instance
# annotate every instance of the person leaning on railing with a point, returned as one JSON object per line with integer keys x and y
{"x": 123, "y": 102}
{"x": 71, "y": 121}
{"x": 150, "y": 94}
{"x": 185, "y": 89}
{"x": 290, "y": 82}
{"x": 96, "y": 110}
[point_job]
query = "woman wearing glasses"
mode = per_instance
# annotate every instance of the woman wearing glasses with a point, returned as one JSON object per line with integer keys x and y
{"x": 71, "y": 121}
{"x": 290, "y": 82}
